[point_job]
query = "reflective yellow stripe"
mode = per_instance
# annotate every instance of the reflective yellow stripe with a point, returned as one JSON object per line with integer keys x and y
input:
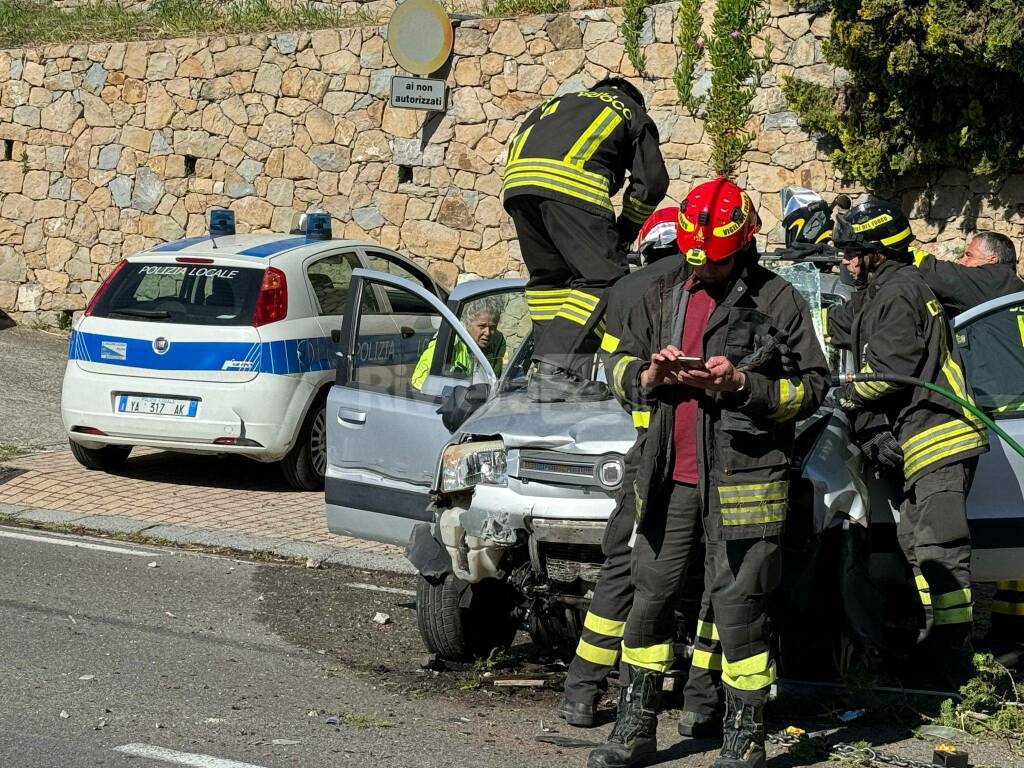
{"x": 705, "y": 660}
{"x": 604, "y": 657}
{"x": 636, "y": 211}
{"x": 603, "y": 626}
{"x": 642, "y": 419}
{"x": 654, "y": 657}
{"x": 574, "y": 315}
{"x": 1010, "y": 586}
{"x": 791, "y": 399}
{"x": 728, "y": 491}
{"x": 609, "y": 343}
{"x": 1006, "y": 608}
{"x": 516, "y": 146}
{"x": 872, "y": 390}
{"x": 932, "y": 435}
{"x": 588, "y": 142}
{"x": 1020, "y": 325}
{"x": 583, "y": 298}
{"x": 919, "y": 256}
{"x": 754, "y": 503}
{"x": 943, "y": 452}
{"x": 595, "y": 182}
{"x": 896, "y": 238}
{"x": 750, "y": 674}
{"x": 618, "y": 372}
{"x": 707, "y": 630}
{"x": 950, "y": 599}
{"x": 550, "y": 107}
{"x": 924, "y": 591}
{"x": 954, "y": 615}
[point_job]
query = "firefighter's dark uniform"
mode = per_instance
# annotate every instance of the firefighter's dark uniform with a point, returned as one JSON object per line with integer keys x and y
{"x": 744, "y": 442}
{"x": 568, "y": 158}
{"x": 599, "y": 646}
{"x": 960, "y": 288}
{"x": 900, "y": 327}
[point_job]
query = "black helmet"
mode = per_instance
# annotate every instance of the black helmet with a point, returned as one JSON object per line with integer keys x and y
{"x": 623, "y": 85}
{"x": 874, "y": 225}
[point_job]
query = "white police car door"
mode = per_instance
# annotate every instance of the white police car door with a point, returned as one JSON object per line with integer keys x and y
{"x": 991, "y": 340}
{"x": 396, "y": 362}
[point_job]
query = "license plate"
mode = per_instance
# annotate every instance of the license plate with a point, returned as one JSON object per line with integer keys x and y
{"x": 156, "y": 406}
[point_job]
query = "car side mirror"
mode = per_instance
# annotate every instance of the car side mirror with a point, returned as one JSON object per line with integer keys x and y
{"x": 336, "y": 336}
{"x": 462, "y": 402}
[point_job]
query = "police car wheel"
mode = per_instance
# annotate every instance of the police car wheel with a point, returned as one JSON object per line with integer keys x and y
{"x": 306, "y": 463}
{"x": 109, "y": 458}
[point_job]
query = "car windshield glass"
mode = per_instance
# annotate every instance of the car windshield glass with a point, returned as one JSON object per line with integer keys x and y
{"x": 197, "y": 294}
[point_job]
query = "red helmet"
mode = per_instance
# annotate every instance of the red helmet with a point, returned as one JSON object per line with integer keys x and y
{"x": 659, "y": 231}
{"x": 716, "y": 221}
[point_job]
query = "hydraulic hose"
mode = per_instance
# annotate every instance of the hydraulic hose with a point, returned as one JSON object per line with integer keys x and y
{"x": 895, "y": 378}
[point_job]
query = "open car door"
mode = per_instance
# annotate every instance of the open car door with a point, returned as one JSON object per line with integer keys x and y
{"x": 991, "y": 339}
{"x": 401, "y": 353}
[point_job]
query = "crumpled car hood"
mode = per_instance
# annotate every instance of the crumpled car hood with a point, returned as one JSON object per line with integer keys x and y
{"x": 592, "y": 428}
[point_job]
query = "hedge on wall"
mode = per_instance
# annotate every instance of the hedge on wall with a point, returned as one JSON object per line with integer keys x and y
{"x": 933, "y": 83}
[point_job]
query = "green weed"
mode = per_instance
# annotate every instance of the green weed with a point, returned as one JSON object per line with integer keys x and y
{"x": 991, "y": 704}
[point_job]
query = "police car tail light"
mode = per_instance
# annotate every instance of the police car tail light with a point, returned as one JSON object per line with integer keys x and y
{"x": 91, "y": 306}
{"x": 272, "y": 301}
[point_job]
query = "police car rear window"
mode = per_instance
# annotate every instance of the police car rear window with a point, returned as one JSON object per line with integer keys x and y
{"x": 195, "y": 294}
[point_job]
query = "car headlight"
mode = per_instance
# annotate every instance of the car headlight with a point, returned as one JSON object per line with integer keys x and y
{"x": 610, "y": 471}
{"x": 465, "y": 465}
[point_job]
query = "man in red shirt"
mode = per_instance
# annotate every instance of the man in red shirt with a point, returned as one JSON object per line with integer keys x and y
{"x": 713, "y": 462}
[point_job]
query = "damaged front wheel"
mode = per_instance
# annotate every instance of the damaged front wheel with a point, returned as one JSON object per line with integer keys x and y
{"x": 461, "y": 621}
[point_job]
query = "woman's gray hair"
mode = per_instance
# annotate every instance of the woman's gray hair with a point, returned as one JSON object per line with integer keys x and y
{"x": 488, "y": 305}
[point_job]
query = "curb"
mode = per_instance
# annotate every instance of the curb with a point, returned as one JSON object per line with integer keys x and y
{"x": 235, "y": 540}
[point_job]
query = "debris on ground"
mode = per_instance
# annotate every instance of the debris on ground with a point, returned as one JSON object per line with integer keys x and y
{"x": 333, "y": 720}
{"x": 850, "y": 715}
{"x": 312, "y": 562}
{"x": 64, "y": 714}
{"x": 565, "y": 741}
{"x": 153, "y": 564}
{"x": 381, "y": 618}
{"x": 87, "y": 678}
{"x": 431, "y": 661}
{"x": 284, "y": 742}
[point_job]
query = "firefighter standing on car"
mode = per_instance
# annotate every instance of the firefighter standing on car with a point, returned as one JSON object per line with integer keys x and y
{"x": 568, "y": 158}
{"x": 715, "y": 456}
{"x": 899, "y": 327}
{"x": 599, "y": 646}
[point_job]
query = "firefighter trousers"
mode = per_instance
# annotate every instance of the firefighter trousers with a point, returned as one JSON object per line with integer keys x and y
{"x": 1008, "y": 612}
{"x": 934, "y": 537}
{"x": 573, "y": 257}
{"x": 739, "y": 576}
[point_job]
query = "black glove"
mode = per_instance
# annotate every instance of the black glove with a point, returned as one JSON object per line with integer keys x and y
{"x": 884, "y": 450}
{"x": 844, "y": 396}
{"x": 770, "y": 354}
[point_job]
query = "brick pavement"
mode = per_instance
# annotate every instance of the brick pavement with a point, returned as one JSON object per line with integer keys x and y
{"x": 222, "y": 494}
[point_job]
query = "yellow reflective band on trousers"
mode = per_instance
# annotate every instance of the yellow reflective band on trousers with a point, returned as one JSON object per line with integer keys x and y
{"x": 1006, "y": 608}
{"x": 657, "y": 658}
{"x": 605, "y": 657}
{"x": 642, "y": 419}
{"x": 1010, "y": 586}
{"x": 704, "y": 660}
{"x": 957, "y": 597}
{"x": 952, "y": 607}
{"x": 636, "y": 211}
{"x": 963, "y": 615}
{"x": 791, "y": 399}
{"x": 578, "y": 307}
{"x": 940, "y": 442}
{"x": 750, "y": 674}
{"x": 603, "y": 626}
{"x": 545, "y": 303}
{"x": 609, "y": 343}
{"x": 618, "y": 372}
{"x": 753, "y": 503}
{"x": 706, "y": 630}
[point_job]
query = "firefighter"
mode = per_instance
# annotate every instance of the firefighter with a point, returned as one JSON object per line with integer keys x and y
{"x": 598, "y": 649}
{"x": 900, "y": 327}
{"x": 570, "y": 155}
{"x": 715, "y": 457}
{"x": 987, "y": 270}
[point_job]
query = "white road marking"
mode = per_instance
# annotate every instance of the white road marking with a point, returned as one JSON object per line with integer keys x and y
{"x": 180, "y": 758}
{"x": 375, "y": 588}
{"x": 67, "y": 541}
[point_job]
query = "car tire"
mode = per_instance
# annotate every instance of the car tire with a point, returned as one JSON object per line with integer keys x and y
{"x": 109, "y": 458}
{"x": 460, "y": 633}
{"x": 306, "y": 463}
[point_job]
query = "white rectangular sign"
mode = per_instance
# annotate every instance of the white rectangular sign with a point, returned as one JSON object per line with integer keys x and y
{"x": 419, "y": 93}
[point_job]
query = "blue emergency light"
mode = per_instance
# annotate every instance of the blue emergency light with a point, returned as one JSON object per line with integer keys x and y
{"x": 222, "y": 222}
{"x": 318, "y": 226}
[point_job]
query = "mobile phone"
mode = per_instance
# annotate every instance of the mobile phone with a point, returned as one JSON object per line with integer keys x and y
{"x": 691, "y": 363}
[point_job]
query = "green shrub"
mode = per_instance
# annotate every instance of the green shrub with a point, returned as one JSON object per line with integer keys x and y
{"x": 933, "y": 83}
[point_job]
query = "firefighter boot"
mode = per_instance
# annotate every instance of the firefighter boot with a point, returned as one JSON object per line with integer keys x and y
{"x": 579, "y": 714}
{"x": 635, "y": 735}
{"x": 693, "y": 725}
{"x": 551, "y": 384}
{"x": 743, "y": 740}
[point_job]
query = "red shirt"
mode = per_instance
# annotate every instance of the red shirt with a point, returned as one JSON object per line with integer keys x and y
{"x": 699, "y": 307}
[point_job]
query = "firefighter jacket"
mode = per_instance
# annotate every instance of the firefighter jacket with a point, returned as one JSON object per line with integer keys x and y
{"x": 959, "y": 288}
{"x": 745, "y": 439}
{"x": 900, "y": 328}
{"x": 577, "y": 149}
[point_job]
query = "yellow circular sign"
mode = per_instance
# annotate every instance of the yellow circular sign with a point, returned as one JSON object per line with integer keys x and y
{"x": 420, "y": 36}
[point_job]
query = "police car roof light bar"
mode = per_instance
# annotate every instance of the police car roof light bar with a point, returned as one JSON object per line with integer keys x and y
{"x": 222, "y": 222}
{"x": 318, "y": 226}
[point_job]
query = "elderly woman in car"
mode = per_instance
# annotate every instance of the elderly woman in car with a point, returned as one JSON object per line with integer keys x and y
{"x": 481, "y": 320}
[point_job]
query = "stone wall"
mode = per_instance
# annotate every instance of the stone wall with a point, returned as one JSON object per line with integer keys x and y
{"x": 110, "y": 148}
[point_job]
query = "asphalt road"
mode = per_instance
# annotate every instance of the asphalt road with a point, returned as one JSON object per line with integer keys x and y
{"x": 31, "y": 371}
{"x": 109, "y": 661}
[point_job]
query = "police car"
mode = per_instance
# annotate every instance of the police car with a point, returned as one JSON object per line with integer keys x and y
{"x": 223, "y": 344}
